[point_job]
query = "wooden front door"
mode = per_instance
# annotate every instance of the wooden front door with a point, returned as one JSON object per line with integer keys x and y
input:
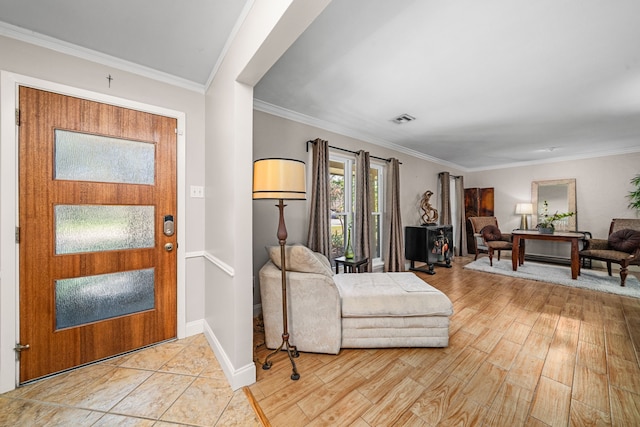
{"x": 97, "y": 198}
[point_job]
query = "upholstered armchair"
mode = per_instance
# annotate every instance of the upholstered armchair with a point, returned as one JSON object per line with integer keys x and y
{"x": 621, "y": 247}
{"x": 488, "y": 237}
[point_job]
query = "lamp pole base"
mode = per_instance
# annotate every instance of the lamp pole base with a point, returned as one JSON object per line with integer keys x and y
{"x": 292, "y": 352}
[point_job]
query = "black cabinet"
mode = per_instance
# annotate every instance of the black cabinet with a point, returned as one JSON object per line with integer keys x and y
{"x": 431, "y": 244}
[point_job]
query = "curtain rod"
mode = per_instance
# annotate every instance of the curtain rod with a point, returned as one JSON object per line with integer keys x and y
{"x": 349, "y": 151}
{"x": 451, "y": 176}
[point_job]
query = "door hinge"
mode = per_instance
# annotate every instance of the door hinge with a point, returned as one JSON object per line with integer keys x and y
{"x": 17, "y": 117}
{"x": 17, "y": 234}
{"x": 19, "y": 347}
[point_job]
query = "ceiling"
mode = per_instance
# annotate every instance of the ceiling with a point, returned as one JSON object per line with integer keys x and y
{"x": 491, "y": 84}
{"x": 181, "y": 39}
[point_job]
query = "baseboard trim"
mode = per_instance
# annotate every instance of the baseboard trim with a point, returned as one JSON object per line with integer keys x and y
{"x": 194, "y": 328}
{"x": 237, "y": 378}
{"x": 547, "y": 258}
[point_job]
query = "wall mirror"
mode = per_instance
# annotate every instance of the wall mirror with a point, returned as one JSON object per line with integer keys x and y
{"x": 560, "y": 194}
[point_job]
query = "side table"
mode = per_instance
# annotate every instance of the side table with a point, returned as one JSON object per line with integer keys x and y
{"x": 351, "y": 265}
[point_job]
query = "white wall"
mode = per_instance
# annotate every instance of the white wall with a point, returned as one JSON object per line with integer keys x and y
{"x": 33, "y": 62}
{"x": 275, "y": 136}
{"x": 268, "y": 30}
{"x": 218, "y": 295}
{"x": 233, "y": 232}
{"x": 602, "y": 185}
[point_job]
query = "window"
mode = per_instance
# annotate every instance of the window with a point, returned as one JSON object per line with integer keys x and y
{"x": 377, "y": 204}
{"x": 342, "y": 195}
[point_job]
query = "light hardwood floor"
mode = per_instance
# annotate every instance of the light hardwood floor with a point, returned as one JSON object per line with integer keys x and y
{"x": 521, "y": 353}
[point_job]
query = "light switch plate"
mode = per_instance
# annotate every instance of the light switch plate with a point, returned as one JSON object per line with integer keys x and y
{"x": 197, "y": 191}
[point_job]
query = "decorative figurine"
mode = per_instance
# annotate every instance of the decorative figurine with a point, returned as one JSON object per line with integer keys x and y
{"x": 430, "y": 215}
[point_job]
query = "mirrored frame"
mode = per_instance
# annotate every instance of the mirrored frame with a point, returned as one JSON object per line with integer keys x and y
{"x": 561, "y": 197}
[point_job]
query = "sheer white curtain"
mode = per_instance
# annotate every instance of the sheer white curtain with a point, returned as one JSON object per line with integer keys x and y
{"x": 452, "y": 209}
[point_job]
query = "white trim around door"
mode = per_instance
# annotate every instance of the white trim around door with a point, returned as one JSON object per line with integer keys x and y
{"x": 9, "y": 280}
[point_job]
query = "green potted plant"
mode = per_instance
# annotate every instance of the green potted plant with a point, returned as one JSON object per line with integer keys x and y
{"x": 634, "y": 196}
{"x": 546, "y": 225}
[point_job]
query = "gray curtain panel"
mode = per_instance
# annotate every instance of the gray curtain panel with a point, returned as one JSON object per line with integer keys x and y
{"x": 362, "y": 231}
{"x": 445, "y": 198}
{"x": 394, "y": 249}
{"x": 319, "y": 236}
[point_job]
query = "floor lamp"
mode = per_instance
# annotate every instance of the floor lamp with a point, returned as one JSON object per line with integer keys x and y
{"x": 280, "y": 179}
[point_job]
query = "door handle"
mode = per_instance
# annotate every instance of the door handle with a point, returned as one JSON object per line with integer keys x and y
{"x": 19, "y": 347}
{"x": 168, "y": 247}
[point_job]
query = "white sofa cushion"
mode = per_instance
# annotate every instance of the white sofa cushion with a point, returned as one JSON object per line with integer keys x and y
{"x": 404, "y": 322}
{"x": 301, "y": 259}
{"x": 390, "y": 294}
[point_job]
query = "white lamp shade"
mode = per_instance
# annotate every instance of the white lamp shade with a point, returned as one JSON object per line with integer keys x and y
{"x": 524, "y": 208}
{"x": 279, "y": 179}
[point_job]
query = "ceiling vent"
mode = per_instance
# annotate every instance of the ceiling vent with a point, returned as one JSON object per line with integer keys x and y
{"x": 403, "y": 118}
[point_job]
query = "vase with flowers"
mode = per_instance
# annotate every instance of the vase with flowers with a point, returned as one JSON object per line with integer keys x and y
{"x": 546, "y": 224}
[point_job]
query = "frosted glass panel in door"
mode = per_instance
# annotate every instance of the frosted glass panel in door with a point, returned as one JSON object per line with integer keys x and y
{"x": 88, "y": 299}
{"x": 87, "y": 157}
{"x": 93, "y": 228}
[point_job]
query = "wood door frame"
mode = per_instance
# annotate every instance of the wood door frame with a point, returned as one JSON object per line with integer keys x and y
{"x": 9, "y": 262}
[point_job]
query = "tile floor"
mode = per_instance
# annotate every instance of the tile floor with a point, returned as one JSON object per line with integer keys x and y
{"x": 175, "y": 383}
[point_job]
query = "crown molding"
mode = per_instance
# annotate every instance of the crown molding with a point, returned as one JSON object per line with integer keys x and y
{"x": 266, "y": 107}
{"x": 332, "y": 127}
{"x": 37, "y": 39}
{"x": 234, "y": 31}
{"x": 568, "y": 158}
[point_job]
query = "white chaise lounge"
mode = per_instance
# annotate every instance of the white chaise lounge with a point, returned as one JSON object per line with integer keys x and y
{"x": 327, "y": 312}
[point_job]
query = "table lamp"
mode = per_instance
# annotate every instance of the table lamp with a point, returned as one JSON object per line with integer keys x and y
{"x": 280, "y": 179}
{"x": 524, "y": 209}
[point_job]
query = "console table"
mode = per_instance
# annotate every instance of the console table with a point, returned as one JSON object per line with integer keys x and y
{"x": 519, "y": 236}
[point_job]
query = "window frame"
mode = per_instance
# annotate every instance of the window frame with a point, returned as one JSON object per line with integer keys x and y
{"x": 381, "y": 169}
{"x": 349, "y": 202}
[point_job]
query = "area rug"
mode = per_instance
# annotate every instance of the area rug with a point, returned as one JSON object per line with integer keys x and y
{"x": 561, "y": 275}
